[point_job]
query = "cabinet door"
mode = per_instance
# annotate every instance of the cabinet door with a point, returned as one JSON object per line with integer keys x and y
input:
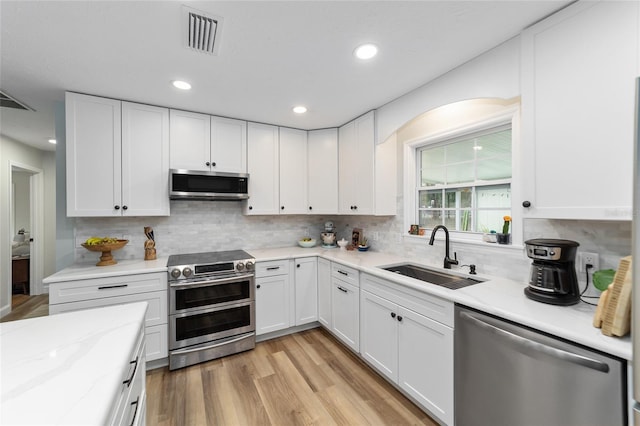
{"x": 272, "y": 304}
{"x": 324, "y": 293}
{"x": 93, "y": 153}
{"x": 425, "y": 360}
{"x": 379, "y": 334}
{"x": 347, "y": 155}
{"x": 145, "y": 160}
{"x": 322, "y": 170}
{"x": 306, "y": 290}
{"x": 364, "y": 163}
{"x": 293, "y": 171}
{"x": 356, "y": 143}
{"x": 345, "y": 313}
{"x": 228, "y": 145}
{"x": 578, "y": 76}
{"x": 190, "y": 140}
{"x": 263, "y": 167}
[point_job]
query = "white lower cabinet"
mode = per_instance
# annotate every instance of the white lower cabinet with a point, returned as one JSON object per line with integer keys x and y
{"x": 324, "y": 293}
{"x": 131, "y": 401}
{"x": 406, "y": 346}
{"x": 306, "y": 290}
{"x": 345, "y": 305}
{"x": 273, "y": 289}
{"x": 75, "y": 295}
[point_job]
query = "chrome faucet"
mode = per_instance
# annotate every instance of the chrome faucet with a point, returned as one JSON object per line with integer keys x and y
{"x": 447, "y": 260}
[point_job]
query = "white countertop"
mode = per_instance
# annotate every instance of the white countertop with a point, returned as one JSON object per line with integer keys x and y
{"x": 499, "y": 296}
{"x": 84, "y": 271}
{"x": 66, "y": 369}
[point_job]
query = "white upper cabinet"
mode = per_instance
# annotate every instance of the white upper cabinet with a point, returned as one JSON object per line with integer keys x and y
{"x": 117, "y": 157}
{"x": 356, "y": 146}
{"x": 208, "y": 143}
{"x": 145, "y": 160}
{"x": 293, "y": 171}
{"x": 322, "y": 169}
{"x": 190, "y": 141}
{"x": 263, "y": 167}
{"x": 578, "y": 76}
{"x": 228, "y": 145}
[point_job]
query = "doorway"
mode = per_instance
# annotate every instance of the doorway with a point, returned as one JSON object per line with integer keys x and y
{"x": 26, "y": 224}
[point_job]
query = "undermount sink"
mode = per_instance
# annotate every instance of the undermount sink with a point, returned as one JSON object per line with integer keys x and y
{"x": 432, "y": 276}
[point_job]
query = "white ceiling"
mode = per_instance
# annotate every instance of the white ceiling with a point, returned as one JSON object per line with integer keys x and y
{"x": 273, "y": 55}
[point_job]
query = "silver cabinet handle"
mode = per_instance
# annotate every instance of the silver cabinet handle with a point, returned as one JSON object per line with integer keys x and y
{"x": 535, "y": 346}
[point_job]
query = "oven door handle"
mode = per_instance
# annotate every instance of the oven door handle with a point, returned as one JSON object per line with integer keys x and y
{"x": 214, "y": 281}
{"x": 225, "y": 342}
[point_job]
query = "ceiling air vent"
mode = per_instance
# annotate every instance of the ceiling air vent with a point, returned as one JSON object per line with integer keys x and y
{"x": 202, "y": 31}
{"x": 8, "y": 101}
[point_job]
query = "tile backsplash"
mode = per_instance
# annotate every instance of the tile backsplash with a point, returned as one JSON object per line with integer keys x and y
{"x": 197, "y": 226}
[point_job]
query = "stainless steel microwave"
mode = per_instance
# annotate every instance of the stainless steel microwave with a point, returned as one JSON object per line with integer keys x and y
{"x": 202, "y": 185}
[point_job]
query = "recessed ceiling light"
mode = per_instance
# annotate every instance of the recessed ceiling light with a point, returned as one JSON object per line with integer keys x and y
{"x": 53, "y": 141}
{"x": 366, "y": 51}
{"x": 300, "y": 109}
{"x": 183, "y": 85}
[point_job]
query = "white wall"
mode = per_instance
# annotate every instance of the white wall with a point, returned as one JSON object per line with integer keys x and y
{"x": 15, "y": 152}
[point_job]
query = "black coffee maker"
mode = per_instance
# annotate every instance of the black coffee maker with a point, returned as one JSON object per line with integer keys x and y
{"x": 553, "y": 271}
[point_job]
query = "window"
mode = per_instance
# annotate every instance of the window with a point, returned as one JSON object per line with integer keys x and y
{"x": 464, "y": 183}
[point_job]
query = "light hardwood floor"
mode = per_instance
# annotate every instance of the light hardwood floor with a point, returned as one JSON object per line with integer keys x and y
{"x": 27, "y": 307}
{"x": 303, "y": 378}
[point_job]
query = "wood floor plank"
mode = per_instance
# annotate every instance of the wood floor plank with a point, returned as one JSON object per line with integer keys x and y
{"x": 299, "y": 386}
{"x": 33, "y": 307}
{"x": 346, "y": 410}
{"x": 307, "y": 378}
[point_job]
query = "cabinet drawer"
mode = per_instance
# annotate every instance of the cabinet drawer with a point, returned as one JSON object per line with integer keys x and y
{"x": 270, "y": 269}
{"x": 432, "y": 307}
{"x": 74, "y": 291}
{"x": 157, "y": 312}
{"x": 345, "y": 273}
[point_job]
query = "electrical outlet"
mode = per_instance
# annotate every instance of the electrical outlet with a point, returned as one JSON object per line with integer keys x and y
{"x": 376, "y": 236}
{"x": 592, "y": 259}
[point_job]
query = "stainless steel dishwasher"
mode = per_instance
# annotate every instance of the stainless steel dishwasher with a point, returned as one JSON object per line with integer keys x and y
{"x": 507, "y": 374}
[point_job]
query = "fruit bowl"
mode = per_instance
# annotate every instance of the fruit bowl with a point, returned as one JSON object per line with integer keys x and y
{"x": 106, "y": 259}
{"x": 307, "y": 243}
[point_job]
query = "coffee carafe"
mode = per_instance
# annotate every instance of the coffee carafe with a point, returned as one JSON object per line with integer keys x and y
{"x": 553, "y": 277}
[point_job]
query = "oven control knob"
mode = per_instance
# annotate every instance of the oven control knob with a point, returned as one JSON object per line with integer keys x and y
{"x": 240, "y": 266}
{"x": 187, "y": 272}
{"x": 249, "y": 266}
{"x": 175, "y": 273}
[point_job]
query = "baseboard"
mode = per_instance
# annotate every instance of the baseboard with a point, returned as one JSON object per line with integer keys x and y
{"x": 287, "y": 331}
{"x": 5, "y": 310}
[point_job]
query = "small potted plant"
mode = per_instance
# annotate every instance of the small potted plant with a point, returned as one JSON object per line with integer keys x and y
{"x": 505, "y": 236}
{"x": 363, "y": 245}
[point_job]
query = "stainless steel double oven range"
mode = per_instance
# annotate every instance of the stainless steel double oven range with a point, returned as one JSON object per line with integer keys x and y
{"x": 211, "y": 306}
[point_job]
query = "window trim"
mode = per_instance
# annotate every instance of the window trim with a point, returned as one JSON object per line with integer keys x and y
{"x": 510, "y": 115}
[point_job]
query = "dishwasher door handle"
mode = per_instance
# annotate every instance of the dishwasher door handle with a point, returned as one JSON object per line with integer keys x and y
{"x": 536, "y": 346}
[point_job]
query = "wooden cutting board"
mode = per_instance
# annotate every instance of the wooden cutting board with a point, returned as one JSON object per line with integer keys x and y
{"x": 616, "y": 313}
